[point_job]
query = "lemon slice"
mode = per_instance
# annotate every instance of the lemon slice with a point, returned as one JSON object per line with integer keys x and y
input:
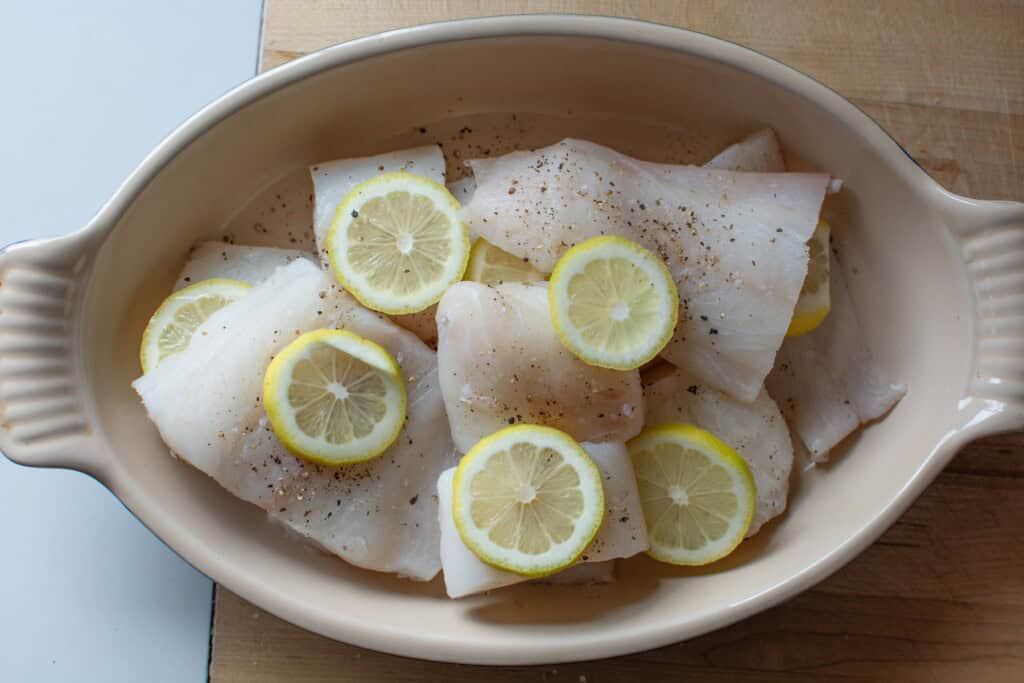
{"x": 697, "y": 494}
{"x": 397, "y": 242}
{"x": 813, "y": 305}
{"x": 613, "y": 303}
{"x": 527, "y": 499}
{"x": 170, "y": 329}
{"x": 334, "y": 398}
{"x": 492, "y": 266}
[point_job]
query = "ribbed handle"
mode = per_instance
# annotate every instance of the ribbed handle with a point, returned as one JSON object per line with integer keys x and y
{"x": 43, "y": 415}
{"x": 991, "y": 239}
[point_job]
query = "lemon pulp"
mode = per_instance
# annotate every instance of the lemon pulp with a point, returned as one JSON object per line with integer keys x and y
{"x": 492, "y": 266}
{"x": 613, "y": 303}
{"x": 397, "y": 242}
{"x": 528, "y": 499}
{"x": 335, "y": 398}
{"x": 697, "y": 494}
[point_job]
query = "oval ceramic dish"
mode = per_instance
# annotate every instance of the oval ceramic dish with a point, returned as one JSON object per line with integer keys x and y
{"x": 938, "y": 280}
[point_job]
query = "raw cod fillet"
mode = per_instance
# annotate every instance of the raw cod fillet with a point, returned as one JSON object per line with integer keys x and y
{"x": 815, "y": 375}
{"x": 622, "y": 533}
{"x": 247, "y": 264}
{"x": 759, "y": 152}
{"x": 734, "y": 242}
{"x": 380, "y": 515}
{"x": 826, "y": 381}
{"x": 500, "y": 363}
{"x": 333, "y": 180}
{"x": 755, "y": 430}
{"x": 204, "y": 399}
{"x": 206, "y": 402}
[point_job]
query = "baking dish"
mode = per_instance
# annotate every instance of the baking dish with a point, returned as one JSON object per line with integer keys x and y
{"x": 938, "y": 281}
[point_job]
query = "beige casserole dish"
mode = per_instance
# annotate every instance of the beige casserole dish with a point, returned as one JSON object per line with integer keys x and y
{"x": 938, "y": 280}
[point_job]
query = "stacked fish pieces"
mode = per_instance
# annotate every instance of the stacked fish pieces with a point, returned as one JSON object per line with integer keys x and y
{"x": 733, "y": 234}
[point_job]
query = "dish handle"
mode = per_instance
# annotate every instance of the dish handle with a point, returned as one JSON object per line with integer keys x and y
{"x": 44, "y": 420}
{"x": 991, "y": 239}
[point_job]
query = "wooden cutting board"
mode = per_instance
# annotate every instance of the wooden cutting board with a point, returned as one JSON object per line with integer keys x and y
{"x": 941, "y": 596}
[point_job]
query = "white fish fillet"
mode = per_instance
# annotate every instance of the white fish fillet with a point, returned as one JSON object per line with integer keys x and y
{"x": 247, "y": 264}
{"x": 809, "y": 372}
{"x": 826, "y": 381}
{"x": 205, "y": 401}
{"x": 333, "y": 180}
{"x": 755, "y": 430}
{"x": 500, "y": 362}
{"x": 734, "y": 242}
{"x": 759, "y": 152}
{"x": 622, "y": 533}
{"x": 380, "y": 515}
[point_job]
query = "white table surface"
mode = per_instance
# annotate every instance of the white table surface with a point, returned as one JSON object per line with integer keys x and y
{"x": 86, "y": 592}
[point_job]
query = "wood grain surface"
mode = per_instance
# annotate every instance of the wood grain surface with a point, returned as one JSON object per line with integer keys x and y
{"x": 941, "y": 596}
